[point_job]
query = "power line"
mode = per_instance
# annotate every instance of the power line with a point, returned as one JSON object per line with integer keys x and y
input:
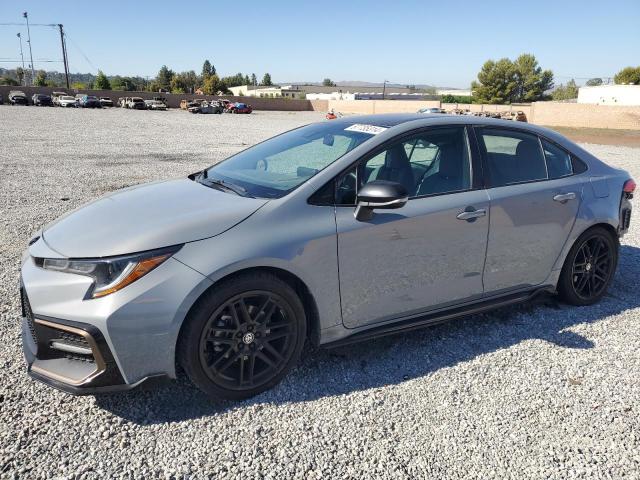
{"x": 67, "y": 37}
{"x": 39, "y": 61}
{"x": 31, "y": 24}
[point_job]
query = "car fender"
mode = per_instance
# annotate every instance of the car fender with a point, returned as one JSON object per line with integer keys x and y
{"x": 298, "y": 239}
{"x": 594, "y": 209}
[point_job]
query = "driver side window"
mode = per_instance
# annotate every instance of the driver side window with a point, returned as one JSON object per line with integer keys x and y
{"x": 429, "y": 163}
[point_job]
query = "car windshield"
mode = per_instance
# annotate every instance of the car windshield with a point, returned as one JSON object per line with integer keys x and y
{"x": 279, "y": 165}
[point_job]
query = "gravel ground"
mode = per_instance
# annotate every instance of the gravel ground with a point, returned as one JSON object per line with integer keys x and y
{"x": 539, "y": 391}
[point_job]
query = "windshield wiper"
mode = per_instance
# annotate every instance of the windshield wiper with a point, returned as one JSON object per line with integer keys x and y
{"x": 237, "y": 189}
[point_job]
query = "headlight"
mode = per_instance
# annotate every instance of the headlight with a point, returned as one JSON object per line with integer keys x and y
{"x": 113, "y": 273}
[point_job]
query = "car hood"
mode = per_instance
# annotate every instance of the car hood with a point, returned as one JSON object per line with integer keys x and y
{"x": 146, "y": 217}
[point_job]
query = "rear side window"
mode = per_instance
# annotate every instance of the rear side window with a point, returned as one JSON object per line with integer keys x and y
{"x": 558, "y": 160}
{"x": 513, "y": 157}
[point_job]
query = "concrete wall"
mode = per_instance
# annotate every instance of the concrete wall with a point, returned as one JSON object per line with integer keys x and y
{"x": 366, "y": 107}
{"x": 172, "y": 99}
{"x": 584, "y": 115}
{"x": 558, "y": 114}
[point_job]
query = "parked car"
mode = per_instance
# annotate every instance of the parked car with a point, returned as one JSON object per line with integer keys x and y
{"x": 1, "y": 99}
{"x": 55, "y": 97}
{"x": 155, "y": 105}
{"x": 106, "y": 102}
{"x": 186, "y": 104}
{"x": 135, "y": 103}
{"x": 89, "y": 101}
{"x": 41, "y": 100}
{"x": 66, "y": 101}
{"x": 121, "y": 102}
{"x": 305, "y": 237}
{"x": 163, "y": 100}
{"x": 207, "y": 107}
{"x": 17, "y": 97}
{"x": 238, "y": 108}
{"x": 431, "y": 110}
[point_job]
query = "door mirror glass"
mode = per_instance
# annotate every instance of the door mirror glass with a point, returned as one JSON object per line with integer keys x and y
{"x": 379, "y": 194}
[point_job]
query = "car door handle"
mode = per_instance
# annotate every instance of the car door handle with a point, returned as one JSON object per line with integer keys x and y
{"x": 469, "y": 214}
{"x": 564, "y": 197}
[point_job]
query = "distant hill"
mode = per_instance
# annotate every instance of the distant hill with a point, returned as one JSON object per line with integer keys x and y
{"x": 360, "y": 83}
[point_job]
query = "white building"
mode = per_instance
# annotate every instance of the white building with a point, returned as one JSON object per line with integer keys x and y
{"x": 266, "y": 92}
{"x": 610, "y": 95}
{"x": 255, "y": 91}
{"x": 454, "y": 91}
{"x": 331, "y": 96}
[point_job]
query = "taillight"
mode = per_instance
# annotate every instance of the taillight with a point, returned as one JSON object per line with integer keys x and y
{"x": 629, "y": 186}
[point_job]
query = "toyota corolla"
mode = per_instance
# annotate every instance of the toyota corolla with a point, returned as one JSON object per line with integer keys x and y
{"x": 331, "y": 233}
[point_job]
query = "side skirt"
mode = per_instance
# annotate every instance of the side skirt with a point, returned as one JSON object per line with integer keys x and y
{"x": 439, "y": 317}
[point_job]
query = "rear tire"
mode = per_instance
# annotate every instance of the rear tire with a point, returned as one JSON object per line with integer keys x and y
{"x": 589, "y": 267}
{"x": 243, "y": 336}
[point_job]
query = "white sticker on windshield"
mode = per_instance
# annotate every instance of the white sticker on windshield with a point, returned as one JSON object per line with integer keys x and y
{"x": 370, "y": 129}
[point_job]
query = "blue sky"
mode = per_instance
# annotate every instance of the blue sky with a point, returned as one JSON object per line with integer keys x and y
{"x": 442, "y": 43}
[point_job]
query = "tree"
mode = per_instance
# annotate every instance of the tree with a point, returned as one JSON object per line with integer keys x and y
{"x": 566, "y": 92}
{"x": 254, "y": 79}
{"x": 207, "y": 69}
{"x": 123, "y": 83}
{"x": 234, "y": 81}
{"x": 531, "y": 81}
{"x": 496, "y": 82}
{"x": 20, "y": 74}
{"x": 101, "y": 82}
{"x": 41, "y": 79}
{"x": 164, "y": 77}
{"x": 328, "y": 83}
{"x": 247, "y": 80}
{"x": 79, "y": 86}
{"x": 504, "y": 81}
{"x": 266, "y": 80}
{"x": 8, "y": 81}
{"x": 212, "y": 85}
{"x": 628, "y": 75}
{"x": 184, "y": 82}
{"x": 594, "y": 82}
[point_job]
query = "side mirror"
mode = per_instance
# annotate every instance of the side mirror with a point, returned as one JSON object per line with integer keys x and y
{"x": 328, "y": 139}
{"x": 379, "y": 194}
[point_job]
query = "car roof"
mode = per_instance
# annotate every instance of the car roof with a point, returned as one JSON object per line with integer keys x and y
{"x": 418, "y": 120}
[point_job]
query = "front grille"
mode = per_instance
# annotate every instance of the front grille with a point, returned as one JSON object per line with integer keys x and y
{"x": 28, "y": 314}
{"x": 73, "y": 339}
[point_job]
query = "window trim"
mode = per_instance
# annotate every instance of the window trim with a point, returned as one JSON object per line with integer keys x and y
{"x": 475, "y": 163}
{"x": 485, "y": 165}
{"x": 569, "y": 154}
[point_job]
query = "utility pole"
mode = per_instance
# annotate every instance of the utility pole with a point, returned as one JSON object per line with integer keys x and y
{"x": 33, "y": 72}
{"x": 24, "y": 79}
{"x": 64, "y": 54}
{"x": 384, "y": 87}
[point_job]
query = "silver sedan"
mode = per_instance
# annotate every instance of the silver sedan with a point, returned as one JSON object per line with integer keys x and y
{"x": 331, "y": 233}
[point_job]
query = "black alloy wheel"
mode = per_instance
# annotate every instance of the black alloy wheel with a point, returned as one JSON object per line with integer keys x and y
{"x": 243, "y": 336}
{"x": 247, "y": 340}
{"x": 589, "y": 267}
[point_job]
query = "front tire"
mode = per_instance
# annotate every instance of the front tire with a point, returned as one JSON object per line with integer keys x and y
{"x": 243, "y": 336}
{"x": 589, "y": 267}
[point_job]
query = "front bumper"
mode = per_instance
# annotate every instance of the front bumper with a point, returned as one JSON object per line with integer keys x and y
{"x": 70, "y": 356}
{"x": 112, "y": 343}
